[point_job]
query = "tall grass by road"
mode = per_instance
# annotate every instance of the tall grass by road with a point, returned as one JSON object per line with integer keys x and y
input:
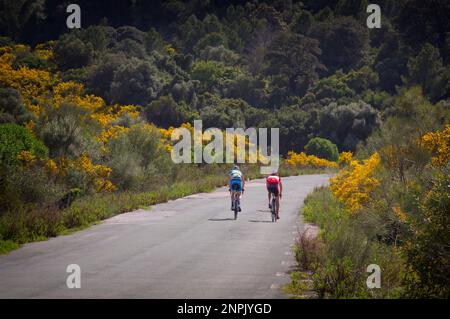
{"x": 29, "y": 223}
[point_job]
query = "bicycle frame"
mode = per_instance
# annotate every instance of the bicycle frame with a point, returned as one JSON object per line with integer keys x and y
{"x": 236, "y": 201}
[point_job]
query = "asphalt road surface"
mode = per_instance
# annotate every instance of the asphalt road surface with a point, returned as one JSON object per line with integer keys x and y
{"x": 186, "y": 248}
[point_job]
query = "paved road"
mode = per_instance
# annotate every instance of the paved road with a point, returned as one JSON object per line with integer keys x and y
{"x": 187, "y": 248}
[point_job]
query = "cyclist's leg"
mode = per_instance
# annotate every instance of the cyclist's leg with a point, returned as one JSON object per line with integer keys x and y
{"x": 268, "y": 195}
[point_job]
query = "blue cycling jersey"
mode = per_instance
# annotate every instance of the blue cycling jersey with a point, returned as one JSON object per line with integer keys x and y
{"x": 235, "y": 174}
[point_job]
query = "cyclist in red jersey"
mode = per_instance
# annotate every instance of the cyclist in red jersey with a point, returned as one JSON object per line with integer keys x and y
{"x": 274, "y": 188}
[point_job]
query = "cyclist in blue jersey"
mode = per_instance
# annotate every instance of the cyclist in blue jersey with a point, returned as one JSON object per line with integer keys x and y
{"x": 236, "y": 181}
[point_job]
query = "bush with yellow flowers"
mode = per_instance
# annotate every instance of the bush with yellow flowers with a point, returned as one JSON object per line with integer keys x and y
{"x": 353, "y": 185}
{"x": 345, "y": 158}
{"x": 238, "y": 141}
{"x": 97, "y": 174}
{"x": 302, "y": 160}
{"x": 438, "y": 143}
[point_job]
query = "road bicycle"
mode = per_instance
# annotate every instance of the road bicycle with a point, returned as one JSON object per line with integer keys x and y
{"x": 236, "y": 202}
{"x": 273, "y": 209}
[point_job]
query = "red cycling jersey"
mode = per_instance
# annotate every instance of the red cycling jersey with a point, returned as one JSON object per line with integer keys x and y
{"x": 273, "y": 179}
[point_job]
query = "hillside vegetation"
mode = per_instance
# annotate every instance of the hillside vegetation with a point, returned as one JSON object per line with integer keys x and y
{"x": 86, "y": 118}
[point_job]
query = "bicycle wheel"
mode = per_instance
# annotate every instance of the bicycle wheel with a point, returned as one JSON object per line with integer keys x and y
{"x": 236, "y": 208}
{"x": 273, "y": 211}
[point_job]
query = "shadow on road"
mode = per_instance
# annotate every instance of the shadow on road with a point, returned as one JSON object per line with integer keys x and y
{"x": 219, "y": 219}
{"x": 260, "y": 221}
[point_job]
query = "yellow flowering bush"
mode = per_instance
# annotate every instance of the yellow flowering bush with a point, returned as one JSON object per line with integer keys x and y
{"x": 66, "y": 89}
{"x": 439, "y": 144}
{"x": 31, "y": 83}
{"x": 30, "y": 126}
{"x": 207, "y": 136}
{"x": 98, "y": 173}
{"x": 345, "y": 157}
{"x": 303, "y": 160}
{"x": 51, "y": 167}
{"x": 44, "y": 50}
{"x": 353, "y": 185}
{"x": 111, "y": 132}
{"x": 27, "y": 158}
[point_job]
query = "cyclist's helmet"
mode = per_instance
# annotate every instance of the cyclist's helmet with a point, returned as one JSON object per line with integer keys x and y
{"x": 236, "y": 167}
{"x": 274, "y": 172}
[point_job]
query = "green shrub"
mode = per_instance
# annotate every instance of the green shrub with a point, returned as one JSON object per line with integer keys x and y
{"x": 7, "y": 245}
{"x": 322, "y": 209}
{"x": 428, "y": 253}
{"x": 342, "y": 273}
{"x": 14, "y": 139}
{"x": 29, "y": 60}
{"x": 137, "y": 159}
{"x": 322, "y": 148}
{"x": 339, "y": 256}
{"x": 12, "y": 109}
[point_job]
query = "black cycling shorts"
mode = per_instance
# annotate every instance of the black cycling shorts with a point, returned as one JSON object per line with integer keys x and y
{"x": 273, "y": 188}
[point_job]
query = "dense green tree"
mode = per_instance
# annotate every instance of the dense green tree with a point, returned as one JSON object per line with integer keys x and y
{"x": 211, "y": 73}
{"x": 101, "y": 75}
{"x": 391, "y": 61}
{"x": 166, "y": 112}
{"x": 344, "y": 43}
{"x": 355, "y": 8}
{"x": 183, "y": 91}
{"x": 332, "y": 88}
{"x": 294, "y": 125}
{"x": 99, "y": 37}
{"x": 71, "y": 52}
{"x": 302, "y": 22}
{"x": 191, "y": 32}
{"x": 135, "y": 82}
{"x": 295, "y": 57}
{"x": 322, "y": 148}
{"x": 220, "y": 54}
{"x": 153, "y": 40}
{"x": 16, "y": 15}
{"x": 258, "y": 47}
{"x": 224, "y": 113}
{"x": 213, "y": 39}
{"x": 316, "y": 5}
{"x": 419, "y": 22}
{"x": 130, "y": 33}
{"x": 347, "y": 124}
{"x": 130, "y": 48}
{"x": 427, "y": 69}
{"x": 250, "y": 89}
